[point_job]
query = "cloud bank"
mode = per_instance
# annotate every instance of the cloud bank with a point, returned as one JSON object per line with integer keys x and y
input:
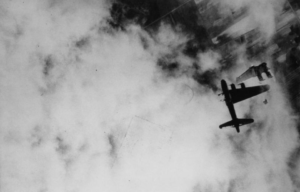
{"x": 85, "y": 107}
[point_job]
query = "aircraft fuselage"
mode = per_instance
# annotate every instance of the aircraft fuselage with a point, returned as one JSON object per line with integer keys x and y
{"x": 229, "y": 103}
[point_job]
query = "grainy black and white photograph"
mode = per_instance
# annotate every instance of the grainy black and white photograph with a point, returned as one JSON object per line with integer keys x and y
{"x": 150, "y": 96}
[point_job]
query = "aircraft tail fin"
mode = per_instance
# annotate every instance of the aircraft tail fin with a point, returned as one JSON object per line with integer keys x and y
{"x": 236, "y": 123}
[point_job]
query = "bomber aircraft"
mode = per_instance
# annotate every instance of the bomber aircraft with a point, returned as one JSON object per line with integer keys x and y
{"x": 254, "y": 71}
{"x": 236, "y": 95}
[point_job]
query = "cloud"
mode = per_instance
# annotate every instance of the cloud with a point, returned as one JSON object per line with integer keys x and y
{"x": 209, "y": 60}
{"x": 260, "y": 14}
{"x": 88, "y": 108}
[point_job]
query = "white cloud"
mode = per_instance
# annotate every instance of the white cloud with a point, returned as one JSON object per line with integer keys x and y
{"x": 103, "y": 117}
{"x": 209, "y": 60}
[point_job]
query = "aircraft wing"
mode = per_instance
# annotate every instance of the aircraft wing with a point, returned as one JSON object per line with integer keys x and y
{"x": 241, "y": 94}
{"x": 264, "y": 69}
{"x": 246, "y": 75}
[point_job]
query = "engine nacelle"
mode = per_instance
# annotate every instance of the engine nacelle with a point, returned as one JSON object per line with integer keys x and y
{"x": 263, "y": 65}
{"x": 243, "y": 86}
{"x": 233, "y": 86}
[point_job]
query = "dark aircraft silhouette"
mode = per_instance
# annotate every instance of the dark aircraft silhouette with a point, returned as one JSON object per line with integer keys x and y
{"x": 236, "y": 95}
{"x": 254, "y": 71}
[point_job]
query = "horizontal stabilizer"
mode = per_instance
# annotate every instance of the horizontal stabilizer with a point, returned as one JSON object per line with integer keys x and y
{"x": 237, "y": 123}
{"x": 245, "y": 121}
{"x": 227, "y": 124}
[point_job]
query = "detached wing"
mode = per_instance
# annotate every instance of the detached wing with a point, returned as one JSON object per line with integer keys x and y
{"x": 269, "y": 74}
{"x": 246, "y": 75}
{"x": 263, "y": 68}
{"x": 241, "y": 94}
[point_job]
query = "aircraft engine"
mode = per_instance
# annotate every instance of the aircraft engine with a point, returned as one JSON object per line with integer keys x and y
{"x": 233, "y": 86}
{"x": 243, "y": 86}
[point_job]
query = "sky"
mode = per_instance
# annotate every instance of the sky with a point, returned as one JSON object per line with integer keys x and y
{"x": 86, "y": 107}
